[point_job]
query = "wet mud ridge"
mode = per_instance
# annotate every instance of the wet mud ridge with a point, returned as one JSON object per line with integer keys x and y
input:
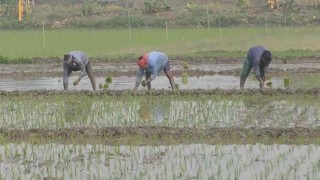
{"x": 130, "y": 73}
{"x": 195, "y": 67}
{"x": 196, "y": 92}
{"x": 155, "y": 133}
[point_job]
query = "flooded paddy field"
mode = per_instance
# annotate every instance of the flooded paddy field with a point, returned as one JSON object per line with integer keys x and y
{"x": 296, "y": 80}
{"x": 181, "y": 109}
{"x": 102, "y": 69}
{"x": 124, "y": 82}
{"x": 201, "y": 74}
{"x": 209, "y": 128}
{"x": 176, "y": 161}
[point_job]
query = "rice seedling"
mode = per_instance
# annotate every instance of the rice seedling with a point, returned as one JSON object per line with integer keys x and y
{"x": 185, "y": 65}
{"x": 105, "y": 86}
{"x": 106, "y": 111}
{"x": 176, "y": 86}
{"x": 184, "y": 78}
{"x": 269, "y": 84}
{"x": 286, "y": 82}
{"x": 108, "y": 79}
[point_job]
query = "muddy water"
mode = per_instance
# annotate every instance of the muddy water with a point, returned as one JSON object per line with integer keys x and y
{"x": 224, "y": 67}
{"x": 123, "y": 82}
{"x": 44, "y": 76}
{"x": 190, "y": 161}
{"x": 297, "y": 80}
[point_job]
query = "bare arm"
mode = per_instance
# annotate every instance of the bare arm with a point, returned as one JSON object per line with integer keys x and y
{"x": 140, "y": 74}
{"x": 256, "y": 70}
{"x": 82, "y": 69}
{"x": 154, "y": 74}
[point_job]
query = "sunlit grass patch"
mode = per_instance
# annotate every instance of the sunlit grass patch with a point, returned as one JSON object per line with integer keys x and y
{"x": 283, "y": 42}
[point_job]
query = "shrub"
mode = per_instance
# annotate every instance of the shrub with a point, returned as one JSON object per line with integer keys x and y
{"x": 154, "y": 6}
{"x": 4, "y": 60}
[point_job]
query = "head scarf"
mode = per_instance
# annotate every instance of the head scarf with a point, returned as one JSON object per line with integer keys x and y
{"x": 143, "y": 63}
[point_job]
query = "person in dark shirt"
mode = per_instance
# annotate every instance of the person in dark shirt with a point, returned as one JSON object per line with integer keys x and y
{"x": 77, "y": 61}
{"x": 258, "y": 58}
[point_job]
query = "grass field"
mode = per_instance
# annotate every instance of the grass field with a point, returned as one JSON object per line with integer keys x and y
{"x": 288, "y": 41}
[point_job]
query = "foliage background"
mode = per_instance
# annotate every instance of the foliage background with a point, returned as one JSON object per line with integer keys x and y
{"x": 102, "y": 14}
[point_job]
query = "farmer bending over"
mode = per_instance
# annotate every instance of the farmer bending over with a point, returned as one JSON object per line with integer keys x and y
{"x": 151, "y": 65}
{"x": 77, "y": 61}
{"x": 259, "y": 59}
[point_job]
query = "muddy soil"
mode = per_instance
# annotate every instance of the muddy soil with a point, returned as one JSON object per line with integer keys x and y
{"x": 189, "y": 60}
{"x": 196, "y": 92}
{"x": 124, "y": 82}
{"x": 197, "y": 67}
{"x": 240, "y": 135}
{"x": 204, "y": 73}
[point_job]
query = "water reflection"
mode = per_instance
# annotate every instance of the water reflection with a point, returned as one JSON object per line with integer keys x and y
{"x": 119, "y": 83}
{"x": 307, "y": 80}
{"x": 190, "y": 161}
{"x": 77, "y": 110}
{"x": 153, "y": 112}
{"x": 207, "y": 111}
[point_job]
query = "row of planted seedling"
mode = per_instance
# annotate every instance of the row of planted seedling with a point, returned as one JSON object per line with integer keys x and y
{"x": 196, "y": 161}
{"x": 198, "y": 111}
{"x": 184, "y": 79}
{"x": 184, "y": 75}
{"x": 286, "y": 82}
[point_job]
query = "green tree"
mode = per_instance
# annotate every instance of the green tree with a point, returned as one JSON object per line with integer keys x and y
{"x": 243, "y": 3}
{"x": 154, "y": 6}
{"x": 8, "y": 8}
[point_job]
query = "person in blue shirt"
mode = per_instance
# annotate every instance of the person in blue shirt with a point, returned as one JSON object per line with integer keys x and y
{"x": 77, "y": 61}
{"x": 258, "y": 58}
{"x": 151, "y": 65}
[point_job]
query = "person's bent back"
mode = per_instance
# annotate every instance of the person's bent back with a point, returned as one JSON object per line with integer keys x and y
{"x": 77, "y": 61}
{"x": 258, "y": 58}
{"x": 151, "y": 65}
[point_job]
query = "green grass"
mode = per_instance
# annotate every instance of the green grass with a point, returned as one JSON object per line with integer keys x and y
{"x": 286, "y": 42}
